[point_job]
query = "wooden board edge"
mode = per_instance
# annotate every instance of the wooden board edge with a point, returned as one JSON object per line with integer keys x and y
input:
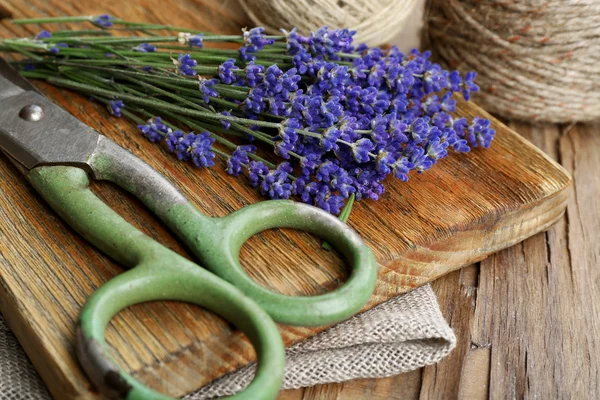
{"x": 62, "y": 380}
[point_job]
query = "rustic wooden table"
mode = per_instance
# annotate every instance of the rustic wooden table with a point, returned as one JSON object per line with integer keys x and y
{"x": 527, "y": 319}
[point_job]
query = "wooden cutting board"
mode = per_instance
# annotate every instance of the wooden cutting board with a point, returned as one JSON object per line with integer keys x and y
{"x": 464, "y": 209}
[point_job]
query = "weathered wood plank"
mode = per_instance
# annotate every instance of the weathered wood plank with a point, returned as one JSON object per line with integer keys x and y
{"x": 405, "y": 386}
{"x": 531, "y": 330}
{"x": 465, "y": 209}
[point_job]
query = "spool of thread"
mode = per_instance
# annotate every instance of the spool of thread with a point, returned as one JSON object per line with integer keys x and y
{"x": 536, "y": 60}
{"x": 376, "y": 21}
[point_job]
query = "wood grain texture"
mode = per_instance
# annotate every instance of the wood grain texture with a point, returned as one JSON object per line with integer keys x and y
{"x": 465, "y": 209}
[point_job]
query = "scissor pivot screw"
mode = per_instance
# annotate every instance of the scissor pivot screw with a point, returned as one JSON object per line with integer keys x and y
{"x": 31, "y": 112}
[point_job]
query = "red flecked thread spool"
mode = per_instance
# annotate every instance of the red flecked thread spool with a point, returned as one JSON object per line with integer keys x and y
{"x": 536, "y": 59}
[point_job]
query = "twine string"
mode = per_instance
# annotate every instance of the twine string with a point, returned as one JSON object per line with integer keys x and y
{"x": 536, "y": 59}
{"x": 376, "y": 21}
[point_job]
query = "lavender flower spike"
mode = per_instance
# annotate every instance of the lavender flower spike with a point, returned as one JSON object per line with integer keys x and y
{"x": 187, "y": 38}
{"x": 103, "y": 21}
{"x": 185, "y": 65}
{"x": 114, "y": 106}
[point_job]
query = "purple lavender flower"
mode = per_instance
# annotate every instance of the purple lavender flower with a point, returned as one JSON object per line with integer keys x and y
{"x": 185, "y": 64}
{"x": 401, "y": 168}
{"x": 328, "y": 42}
{"x": 385, "y": 161}
{"x": 114, "y": 107}
{"x": 361, "y": 149}
{"x": 327, "y": 200}
{"x": 172, "y": 139}
{"x": 256, "y": 38}
{"x": 103, "y": 21}
{"x": 43, "y": 35}
{"x": 201, "y": 150}
{"x": 436, "y": 149}
{"x": 189, "y": 39}
{"x": 418, "y": 157}
{"x": 183, "y": 146}
{"x": 288, "y": 136}
{"x": 343, "y": 128}
{"x": 295, "y": 43}
{"x": 254, "y": 74}
{"x": 55, "y": 49}
{"x": 469, "y": 86}
{"x": 226, "y": 71}
{"x": 239, "y": 159}
{"x": 144, "y": 48}
{"x": 207, "y": 90}
{"x": 226, "y": 124}
{"x": 480, "y": 133}
{"x": 257, "y": 171}
{"x": 455, "y": 81}
{"x": 255, "y": 102}
{"x": 329, "y": 138}
{"x": 277, "y": 183}
{"x": 154, "y": 130}
{"x": 290, "y": 79}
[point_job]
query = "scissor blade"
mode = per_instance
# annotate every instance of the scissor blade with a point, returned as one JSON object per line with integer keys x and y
{"x": 49, "y": 137}
{"x": 11, "y": 83}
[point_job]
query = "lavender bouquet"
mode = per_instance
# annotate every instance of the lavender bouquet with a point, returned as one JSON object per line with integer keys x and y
{"x": 315, "y": 117}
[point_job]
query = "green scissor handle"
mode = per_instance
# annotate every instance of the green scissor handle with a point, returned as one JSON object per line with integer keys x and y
{"x": 217, "y": 241}
{"x": 159, "y": 274}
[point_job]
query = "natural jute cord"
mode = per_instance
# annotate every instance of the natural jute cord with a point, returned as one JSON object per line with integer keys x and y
{"x": 376, "y": 21}
{"x": 536, "y": 59}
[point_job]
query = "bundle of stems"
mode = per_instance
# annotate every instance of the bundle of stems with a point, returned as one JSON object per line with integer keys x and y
{"x": 312, "y": 116}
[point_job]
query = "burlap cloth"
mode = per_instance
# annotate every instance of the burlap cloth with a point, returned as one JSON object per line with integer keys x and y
{"x": 400, "y": 335}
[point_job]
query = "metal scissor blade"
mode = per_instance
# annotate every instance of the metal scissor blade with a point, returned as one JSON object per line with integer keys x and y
{"x": 34, "y": 131}
{"x": 11, "y": 83}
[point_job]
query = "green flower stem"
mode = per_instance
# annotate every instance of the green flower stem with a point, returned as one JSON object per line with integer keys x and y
{"x": 117, "y": 39}
{"x": 166, "y": 93}
{"x": 308, "y": 133}
{"x": 257, "y": 134}
{"x": 344, "y": 215}
{"x": 157, "y": 103}
{"x": 207, "y": 126}
{"x": 25, "y": 53}
{"x": 195, "y": 93}
{"x": 242, "y": 89}
{"x": 132, "y": 116}
{"x": 52, "y": 20}
{"x": 27, "y": 44}
{"x": 171, "y": 78}
{"x": 146, "y": 39}
{"x": 230, "y": 52}
{"x": 87, "y": 78}
{"x": 348, "y": 55}
{"x": 202, "y": 70}
{"x": 81, "y": 32}
{"x": 35, "y": 74}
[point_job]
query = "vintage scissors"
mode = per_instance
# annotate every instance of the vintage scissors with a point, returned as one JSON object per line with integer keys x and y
{"x": 56, "y": 152}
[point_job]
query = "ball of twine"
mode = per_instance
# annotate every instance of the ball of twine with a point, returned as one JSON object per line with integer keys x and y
{"x": 536, "y": 59}
{"x": 376, "y": 21}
